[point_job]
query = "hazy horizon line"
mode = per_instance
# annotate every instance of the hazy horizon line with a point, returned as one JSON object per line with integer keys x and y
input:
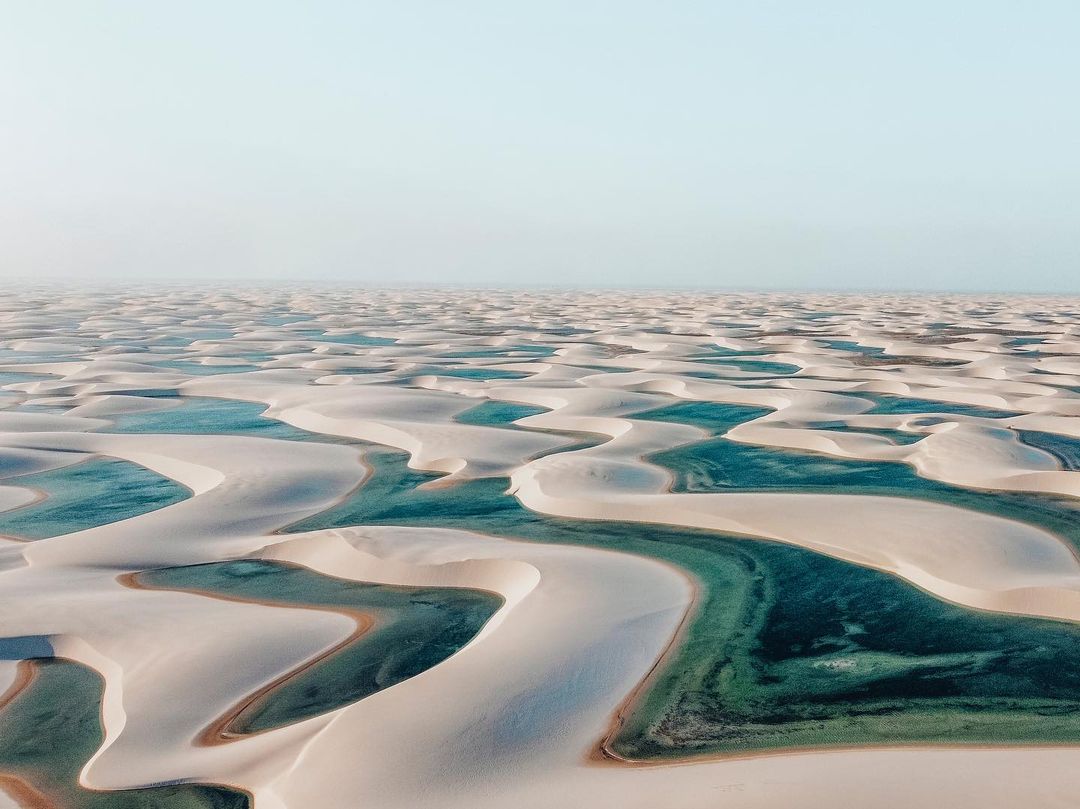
{"x": 284, "y": 283}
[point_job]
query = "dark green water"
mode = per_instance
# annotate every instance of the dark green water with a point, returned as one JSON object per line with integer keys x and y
{"x": 88, "y": 494}
{"x": 416, "y": 628}
{"x": 718, "y": 465}
{"x": 493, "y": 413}
{"x": 51, "y": 729}
{"x": 787, "y": 648}
{"x": 803, "y": 650}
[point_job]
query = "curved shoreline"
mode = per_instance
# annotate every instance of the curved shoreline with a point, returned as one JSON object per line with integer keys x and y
{"x": 24, "y": 795}
{"x": 25, "y": 673}
{"x": 218, "y": 732}
{"x": 586, "y": 634}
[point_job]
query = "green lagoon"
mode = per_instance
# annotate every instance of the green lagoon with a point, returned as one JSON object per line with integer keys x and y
{"x": 86, "y": 495}
{"x": 51, "y": 729}
{"x": 785, "y": 648}
{"x": 788, "y": 648}
{"x": 415, "y": 629}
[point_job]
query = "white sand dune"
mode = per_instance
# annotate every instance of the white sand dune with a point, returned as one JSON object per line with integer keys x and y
{"x": 515, "y": 717}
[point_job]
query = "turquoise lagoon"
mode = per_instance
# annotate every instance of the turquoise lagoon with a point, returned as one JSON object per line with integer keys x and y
{"x": 51, "y": 728}
{"x": 785, "y": 648}
{"x": 88, "y": 494}
{"x": 415, "y": 629}
{"x": 788, "y": 648}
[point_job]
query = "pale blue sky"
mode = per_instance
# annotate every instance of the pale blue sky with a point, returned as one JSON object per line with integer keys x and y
{"x": 752, "y": 144}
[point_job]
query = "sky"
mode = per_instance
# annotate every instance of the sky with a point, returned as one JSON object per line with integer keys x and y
{"x": 732, "y": 145}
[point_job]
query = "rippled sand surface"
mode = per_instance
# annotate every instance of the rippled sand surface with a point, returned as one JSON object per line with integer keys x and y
{"x": 337, "y": 548}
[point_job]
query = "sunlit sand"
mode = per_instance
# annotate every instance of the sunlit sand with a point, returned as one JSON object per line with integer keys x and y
{"x": 298, "y": 549}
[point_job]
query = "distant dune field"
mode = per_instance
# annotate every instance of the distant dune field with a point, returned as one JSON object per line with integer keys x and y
{"x": 462, "y": 549}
